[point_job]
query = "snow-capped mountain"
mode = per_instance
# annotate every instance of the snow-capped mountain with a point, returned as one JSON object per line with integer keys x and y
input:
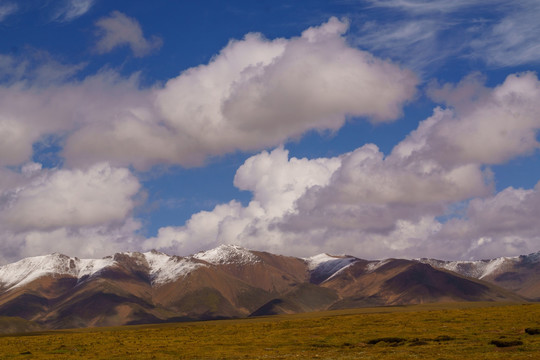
{"x": 476, "y": 269}
{"x": 520, "y": 274}
{"x": 161, "y": 267}
{"x": 30, "y": 269}
{"x": 58, "y": 291}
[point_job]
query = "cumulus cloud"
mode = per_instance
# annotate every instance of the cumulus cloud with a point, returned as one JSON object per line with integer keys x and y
{"x": 84, "y": 242}
{"x": 504, "y": 223}
{"x": 119, "y": 30}
{"x": 53, "y": 210}
{"x": 276, "y": 182}
{"x": 71, "y": 198}
{"x": 378, "y": 206}
{"x": 371, "y": 193}
{"x": 29, "y": 113}
{"x": 355, "y": 202}
{"x": 481, "y": 126}
{"x": 255, "y": 93}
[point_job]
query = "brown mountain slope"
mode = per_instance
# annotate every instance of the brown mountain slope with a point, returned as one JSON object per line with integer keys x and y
{"x": 303, "y": 298}
{"x": 398, "y": 282}
{"x": 390, "y": 282}
{"x": 56, "y": 291}
{"x": 209, "y": 292}
{"x": 17, "y": 325}
{"x": 521, "y": 277}
{"x": 520, "y": 274}
{"x": 126, "y": 294}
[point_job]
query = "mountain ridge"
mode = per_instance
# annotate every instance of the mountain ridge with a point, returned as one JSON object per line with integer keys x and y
{"x": 58, "y": 291}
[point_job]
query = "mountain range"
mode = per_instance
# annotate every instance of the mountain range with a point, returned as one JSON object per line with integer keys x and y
{"x": 57, "y": 291}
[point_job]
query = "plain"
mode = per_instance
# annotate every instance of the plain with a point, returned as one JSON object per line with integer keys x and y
{"x": 430, "y": 331}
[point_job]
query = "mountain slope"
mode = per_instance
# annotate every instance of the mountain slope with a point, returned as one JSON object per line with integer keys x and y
{"x": 58, "y": 291}
{"x": 323, "y": 266}
{"x": 520, "y": 274}
{"x": 17, "y": 325}
{"x": 399, "y": 282}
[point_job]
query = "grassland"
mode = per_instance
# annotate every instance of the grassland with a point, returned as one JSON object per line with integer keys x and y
{"x": 438, "y": 331}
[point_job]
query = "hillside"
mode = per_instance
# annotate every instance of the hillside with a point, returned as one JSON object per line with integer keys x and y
{"x": 57, "y": 291}
{"x": 520, "y": 274}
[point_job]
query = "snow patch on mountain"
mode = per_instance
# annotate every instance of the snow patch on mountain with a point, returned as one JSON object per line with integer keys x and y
{"x": 91, "y": 267}
{"x": 374, "y": 265}
{"x": 330, "y": 262}
{"x": 476, "y": 269}
{"x": 324, "y": 266}
{"x": 165, "y": 268}
{"x": 27, "y": 270}
{"x": 228, "y": 254}
{"x": 162, "y": 268}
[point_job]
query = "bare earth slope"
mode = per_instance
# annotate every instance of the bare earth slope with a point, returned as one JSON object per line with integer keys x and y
{"x": 58, "y": 291}
{"x": 520, "y": 274}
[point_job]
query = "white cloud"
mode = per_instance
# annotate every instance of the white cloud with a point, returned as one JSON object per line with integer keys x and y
{"x": 482, "y": 126}
{"x": 119, "y": 30}
{"x": 276, "y": 182}
{"x": 69, "y": 10}
{"x": 85, "y": 242}
{"x": 255, "y": 93}
{"x": 27, "y": 113}
{"x": 370, "y": 193}
{"x": 431, "y": 6}
{"x": 70, "y": 198}
{"x": 428, "y": 33}
{"x": 413, "y": 42}
{"x": 356, "y": 202}
{"x": 7, "y": 9}
{"x": 35, "y": 68}
{"x": 86, "y": 212}
{"x": 377, "y": 206}
{"x": 15, "y": 141}
{"x": 505, "y": 223}
{"x": 268, "y": 174}
{"x": 513, "y": 40}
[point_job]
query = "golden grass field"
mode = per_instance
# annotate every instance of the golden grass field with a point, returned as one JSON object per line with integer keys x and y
{"x": 436, "y": 331}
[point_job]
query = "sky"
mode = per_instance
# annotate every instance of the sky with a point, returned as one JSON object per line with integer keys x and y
{"x": 376, "y": 128}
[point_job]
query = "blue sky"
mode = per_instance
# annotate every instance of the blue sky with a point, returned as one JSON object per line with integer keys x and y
{"x": 390, "y": 128}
